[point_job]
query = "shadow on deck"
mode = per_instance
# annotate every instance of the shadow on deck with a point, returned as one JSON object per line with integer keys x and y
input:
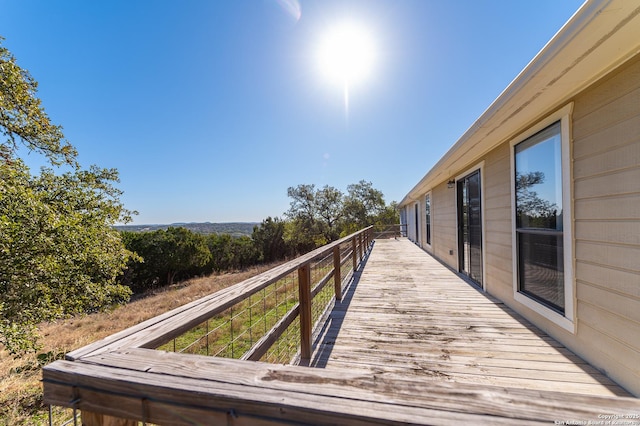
{"x": 406, "y": 315}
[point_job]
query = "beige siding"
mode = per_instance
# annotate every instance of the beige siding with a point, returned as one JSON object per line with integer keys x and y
{"x": 443, "y": 207}
{"x": 606, "y": 190}
{"x": 606, "y": 229}
{"x": 618, "y": 281}
{"x": 497, "y": 223}
{"x": 626, "y": 208}
{"x": 606, "y": 151}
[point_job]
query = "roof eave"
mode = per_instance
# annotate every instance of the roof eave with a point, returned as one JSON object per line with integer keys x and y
{"x": 598, "y": 38}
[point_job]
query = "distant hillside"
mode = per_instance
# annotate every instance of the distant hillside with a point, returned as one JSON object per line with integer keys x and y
{"x": 235, "y": 229}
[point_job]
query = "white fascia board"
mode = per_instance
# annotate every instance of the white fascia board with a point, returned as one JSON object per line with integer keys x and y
{"x": 598, "y": 38}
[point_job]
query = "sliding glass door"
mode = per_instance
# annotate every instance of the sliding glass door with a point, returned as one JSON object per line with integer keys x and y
{"x": 470, "y": 227}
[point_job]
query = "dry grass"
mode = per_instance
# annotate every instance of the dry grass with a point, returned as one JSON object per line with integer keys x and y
{"x": 20, "y": 387}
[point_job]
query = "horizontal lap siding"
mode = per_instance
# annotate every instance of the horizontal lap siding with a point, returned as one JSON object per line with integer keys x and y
{"x": 606, "y": 228}
{"x": 606, "y": 154}
{"x": 497, "y": 223}
{"x": 443, "y": 216}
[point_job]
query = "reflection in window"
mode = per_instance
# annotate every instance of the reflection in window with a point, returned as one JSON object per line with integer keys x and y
{"x": 539, "y": 227}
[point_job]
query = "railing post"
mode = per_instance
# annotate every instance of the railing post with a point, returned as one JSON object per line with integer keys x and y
{"x": 360, "y": 240}
{"x": 304, "y": 294}
{"x": 354, "y": 253}
{"x": 337, "y": 279}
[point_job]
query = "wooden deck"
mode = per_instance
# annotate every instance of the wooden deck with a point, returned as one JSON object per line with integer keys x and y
{"x": 410, "y": 343}
{"x": 408, "y": 316}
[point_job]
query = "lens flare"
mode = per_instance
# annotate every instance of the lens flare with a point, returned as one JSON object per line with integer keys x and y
{"x": 346, "y": 57}
{"x": 347, "y": 54}
{"x": 292, "y": 8}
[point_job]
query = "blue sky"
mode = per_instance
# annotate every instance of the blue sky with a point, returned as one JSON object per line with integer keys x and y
{"x": 211, "y": 109}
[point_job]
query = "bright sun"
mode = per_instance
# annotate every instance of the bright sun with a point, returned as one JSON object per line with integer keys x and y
{"x": 346, "y": 57}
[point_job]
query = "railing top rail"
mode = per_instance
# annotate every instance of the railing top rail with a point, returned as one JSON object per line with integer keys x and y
{"x": 157, "y": 330}
{"x": 141, "y": 385}
{"x": 393, "y": 230}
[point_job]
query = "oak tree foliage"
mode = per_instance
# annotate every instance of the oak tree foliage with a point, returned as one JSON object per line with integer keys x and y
{"x": 315, "y": 215}
{"x": 533, "y": 210}
{"x": 363, "y": 206}
{"x": 268, "y": 238}
{"x": 23, "y": 120}
{"x": 319, "y": 216}
{"x": 59, "y": 253}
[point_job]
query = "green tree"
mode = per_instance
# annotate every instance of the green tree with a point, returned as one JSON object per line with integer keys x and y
{"x": 22, "y": 118}
{"x": 318, "y": 216}
{"x": 59, "y": 253}
{"x": 390, "y": 215}
{"x": 315, "y": 215}
{"x": 363, "y": 206}
{"x": 244, "y": 252}
{"x": 303, "y": 206}
{"x": 140, "y": 274}
{"x": 302, "y": 232}
{"x": 300, "y": 236}
{"x": 220, "y": 247}
{"x": 163, "y": 256}
{"x": 330, "y": 211}
{"x": 533, "y": 210}
{"x": 268, "y": 238}
{"x": 182, "y": 250}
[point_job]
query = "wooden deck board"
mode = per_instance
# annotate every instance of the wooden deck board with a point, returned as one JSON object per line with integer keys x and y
{"x": 410, "y": 317}
{"x": 209, "y": 390}
{"x": 410, "y": 343}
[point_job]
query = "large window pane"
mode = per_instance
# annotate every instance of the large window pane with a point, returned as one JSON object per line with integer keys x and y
{"x": 541, "y": 267}
{"x": 539, "y": 180}
{"x": 539, "y": 227}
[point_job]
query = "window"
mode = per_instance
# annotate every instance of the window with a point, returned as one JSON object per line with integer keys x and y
{"x": 417, "y": 225}
{"x": 539, "y": 224}
{"x": 427, "y": 209}
{"x": 542, "y": 231}
{"x": 403, "y": 221}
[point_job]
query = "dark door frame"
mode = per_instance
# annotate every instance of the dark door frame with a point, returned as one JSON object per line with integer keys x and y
{"x": 470, "y": 226}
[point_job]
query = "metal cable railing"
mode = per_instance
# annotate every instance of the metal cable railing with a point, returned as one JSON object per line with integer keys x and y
{"x": 272, "y": 313}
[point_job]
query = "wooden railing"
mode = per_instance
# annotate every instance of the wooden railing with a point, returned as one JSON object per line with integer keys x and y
{"x": 245, "y": 321}
{"x": 124, "y": 379}
{"x": 389, "y": 231}
{"x": 265, "y": 325}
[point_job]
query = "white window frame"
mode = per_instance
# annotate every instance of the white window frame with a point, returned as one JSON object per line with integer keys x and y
{"x": 416, "y": 215}
{"x": 426, "y": 243}
{"x": 568, "y": 320}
